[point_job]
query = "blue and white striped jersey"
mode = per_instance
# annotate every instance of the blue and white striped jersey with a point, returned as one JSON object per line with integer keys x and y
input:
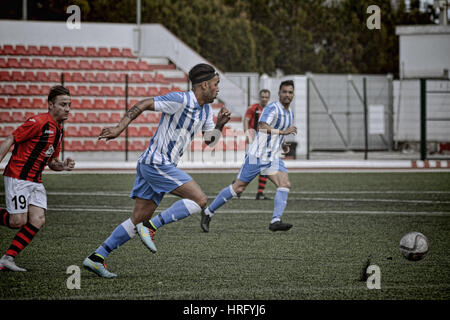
{"x": 267, "y": 147}
{"x": 182, "y": 117}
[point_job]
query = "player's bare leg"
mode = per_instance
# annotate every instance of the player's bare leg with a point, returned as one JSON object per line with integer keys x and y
{"x": 193, "y": 201}
{"x": 235, "y": 189}
{"x": 143, "y": 211}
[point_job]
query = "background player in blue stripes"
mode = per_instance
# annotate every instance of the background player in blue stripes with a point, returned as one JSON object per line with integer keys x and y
{"x": 183, "y": 115}
{"x": 263, "y": 156}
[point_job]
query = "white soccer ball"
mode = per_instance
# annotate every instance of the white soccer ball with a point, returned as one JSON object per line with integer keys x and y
{"x": 414, "y": 246}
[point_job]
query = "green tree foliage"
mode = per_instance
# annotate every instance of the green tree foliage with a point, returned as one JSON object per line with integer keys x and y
{"x": 294, "y": 36}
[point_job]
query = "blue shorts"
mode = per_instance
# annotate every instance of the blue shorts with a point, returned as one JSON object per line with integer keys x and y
{"x": 253, "y": 166}
{"x": 154, "y": 181}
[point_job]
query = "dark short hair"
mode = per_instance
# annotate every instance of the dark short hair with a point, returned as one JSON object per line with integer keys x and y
{"x": 264, "y": 90}
{"x": 201, "y": 72}
{"x": 57, "y": 90}
{"x": 287, "y": 83}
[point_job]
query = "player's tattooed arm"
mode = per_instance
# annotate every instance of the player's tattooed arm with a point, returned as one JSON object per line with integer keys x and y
{"x": 138, "y": 108}
{"x": 130, "y": 115}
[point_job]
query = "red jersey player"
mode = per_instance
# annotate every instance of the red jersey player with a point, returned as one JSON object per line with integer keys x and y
{"x": 250, "y": 127}
{"x": 37, "y": 143}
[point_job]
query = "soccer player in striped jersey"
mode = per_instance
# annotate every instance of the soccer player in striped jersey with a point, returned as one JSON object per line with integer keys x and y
{"x": 37, "y": 143}
{"x": 263, "y": 157}
{"x": 183, "y": 115}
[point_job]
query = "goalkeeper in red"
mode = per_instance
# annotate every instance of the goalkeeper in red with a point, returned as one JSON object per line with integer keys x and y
{"x": 37, "y": 143}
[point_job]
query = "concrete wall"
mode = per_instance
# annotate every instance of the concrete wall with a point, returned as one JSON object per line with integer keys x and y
{"x": 424, "y": 51}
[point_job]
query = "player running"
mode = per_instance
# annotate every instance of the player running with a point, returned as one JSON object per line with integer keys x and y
{"x": 251, "y": 121}
{"x": 37, "y": 143}
{"x": 183, "y": 115}
{"x": 262, "y": 157}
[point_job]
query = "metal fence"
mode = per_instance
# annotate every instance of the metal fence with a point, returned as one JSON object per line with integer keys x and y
{"x": 350, "y": 112}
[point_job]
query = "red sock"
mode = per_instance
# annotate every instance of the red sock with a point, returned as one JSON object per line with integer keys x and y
{"x": 262, "y": 183}
{"x": 22, "y": 239}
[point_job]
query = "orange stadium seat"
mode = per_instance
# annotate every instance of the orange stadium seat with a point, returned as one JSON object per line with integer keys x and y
{"x": 106, "y": 91}
{"x": 91, "y": 117}
{"x": 5, "y": 76}
{"x": 135, "y": 78}
{"x": 16, "y": 76}
{"x": 32, "y": 51}
{"x": 37, "y": 63}
{"x": 97, "y": 65}
{"x": 85, "y": 65}
{"x": 132, "y": 65}
{"x": 107, "y": 65}
{"x": 8, "y": 50}
{"x": 13, "y": 63}
{"x": 115, "y": 117}
{"x": 30, "y": 76}
{"x": 21, "y": 89}
{"x": 13, "y": 103}
{"x": 115, "y": 52}
{"x": 6, "y": 117}
{"x": 61, "y": 64}
{"x": 25, "y": 63}
{"x": 68, "y": 52}
{"x": 86, "y": 104}
{"x": 103, "y": 117}
{"x": 147, "y": 77}
{"x": 74, "y": 145}
{"x": 94, "y": 91}
{"x": 56, "y": 51}
{"x": 26, "y": 103}
{"x": 20, "y": 49}
{"x": 118, "y": 91}
{"x": 126, "y": 52}
{"x": 103, "y": 52}
{"x": 89, "y": 77}
{"x": 44, "y": 51}
{"x": 80, "y": 52}
{"x": 111, "y": 104}
{"x": 84, "y": 131}
{"x": 95, "y": 131}
{"x": 91, "y": 52}
{"x": 42, "y": 76}
{"x": 98, "y": 104}
{"x": 136, "y": 145}
{"x": 73, "y": 65}
{"x": 71, "y": 131}
{"x": 101, "y": 77}
{"x": 39, "y": 103}
{"x": 120, "y": 65}
{"x": 6, "y": 131}
{"x": 83, "y": 91}
{"x": 54, "y": 77}
{"x": 49, "y": 64}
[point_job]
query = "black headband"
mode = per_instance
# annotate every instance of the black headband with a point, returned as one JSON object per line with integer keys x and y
{"x": 206, "y": 77}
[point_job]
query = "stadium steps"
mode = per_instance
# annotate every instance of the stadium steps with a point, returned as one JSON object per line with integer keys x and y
{"x": 96, "y": 80}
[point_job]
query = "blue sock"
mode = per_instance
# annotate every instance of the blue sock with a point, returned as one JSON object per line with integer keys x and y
{"x": 224, "y": 195}
{"x": 178, "y": 211}
{"x": 124, "y": 232}
{"x": 279, "y": 204}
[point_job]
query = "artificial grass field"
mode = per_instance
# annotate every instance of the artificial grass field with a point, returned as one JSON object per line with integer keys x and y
{"x": 340, "y": 219}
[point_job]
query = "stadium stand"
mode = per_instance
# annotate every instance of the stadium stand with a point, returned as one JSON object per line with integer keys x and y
{"x": 96, "y": 80}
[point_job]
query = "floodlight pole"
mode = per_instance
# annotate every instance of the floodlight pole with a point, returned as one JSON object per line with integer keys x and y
{"x": 366, "y": 144}
{"x": 24, "y": 10}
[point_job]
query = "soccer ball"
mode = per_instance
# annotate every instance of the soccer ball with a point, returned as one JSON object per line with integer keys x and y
{"x": 414, "y": 246}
